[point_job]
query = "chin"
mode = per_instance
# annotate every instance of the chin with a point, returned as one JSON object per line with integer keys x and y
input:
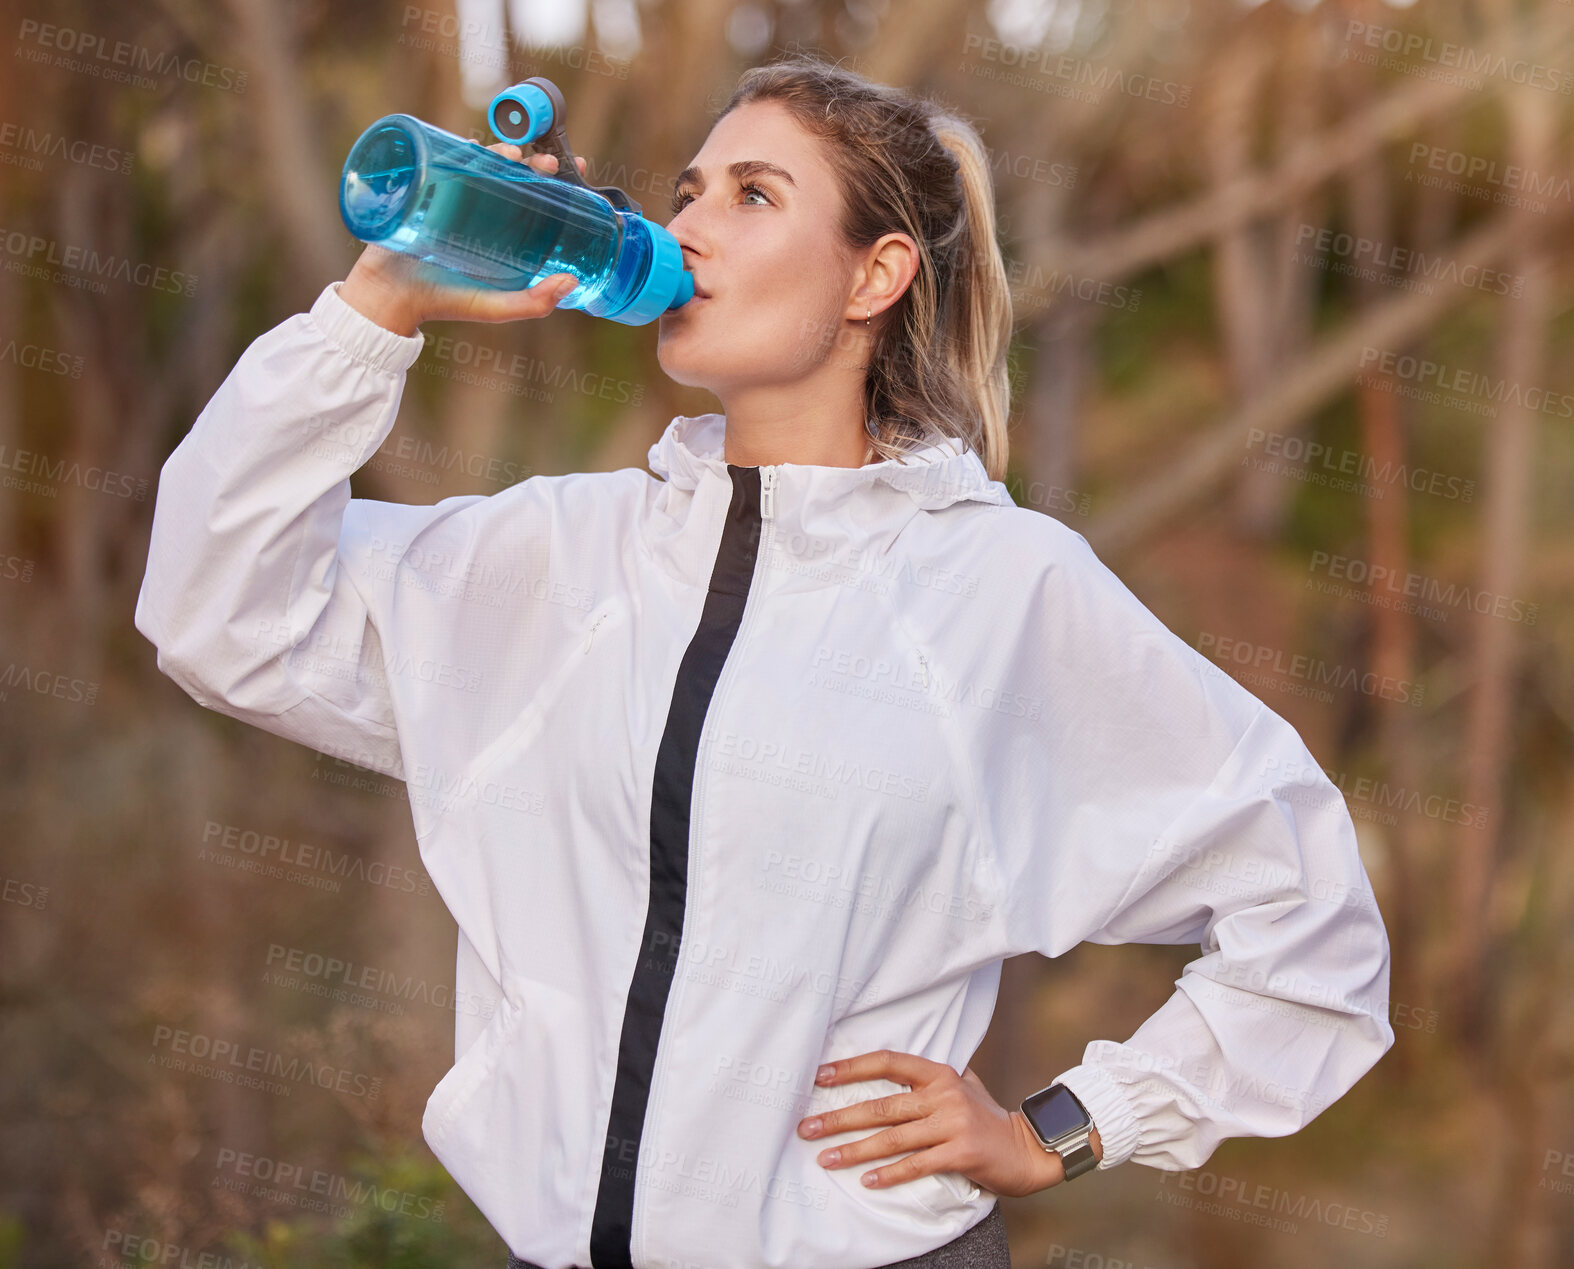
{"x": 684, "y": 361}
{"x": 679, "y": 369}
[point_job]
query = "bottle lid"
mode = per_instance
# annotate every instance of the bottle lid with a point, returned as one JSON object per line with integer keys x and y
{"x": 667, "y": 283}
{"x": 521, "y": 114}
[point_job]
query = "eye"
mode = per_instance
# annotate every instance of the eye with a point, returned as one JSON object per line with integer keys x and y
{"x": 682, "y": 198}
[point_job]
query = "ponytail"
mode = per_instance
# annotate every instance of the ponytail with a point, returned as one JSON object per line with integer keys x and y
{"x": 982, "y": 291}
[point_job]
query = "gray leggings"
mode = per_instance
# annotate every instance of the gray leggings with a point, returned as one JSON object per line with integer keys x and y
{"x": 981, "y": 1247}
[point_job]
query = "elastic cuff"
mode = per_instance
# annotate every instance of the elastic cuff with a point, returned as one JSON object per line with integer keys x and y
{"x": 360, "y": 338}
{"x": 1110, "y": 1106}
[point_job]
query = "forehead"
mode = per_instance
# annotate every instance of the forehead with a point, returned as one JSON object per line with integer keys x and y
{"x": 764, "y": 130}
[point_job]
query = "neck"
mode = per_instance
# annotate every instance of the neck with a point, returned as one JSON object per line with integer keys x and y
{"x": 817, "y": 424}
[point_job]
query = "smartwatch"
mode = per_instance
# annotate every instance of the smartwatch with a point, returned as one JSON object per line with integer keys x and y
{"x": 1062, "y": 1125}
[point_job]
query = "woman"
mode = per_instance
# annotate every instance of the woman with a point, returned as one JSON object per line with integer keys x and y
{"x": 763, "y": 763}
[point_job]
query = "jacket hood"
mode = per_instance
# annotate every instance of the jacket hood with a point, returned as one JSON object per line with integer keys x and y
{"x": 934, "y": 477}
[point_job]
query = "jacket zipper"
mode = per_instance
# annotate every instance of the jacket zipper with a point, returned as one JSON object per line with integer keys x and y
{"x": 702, "y": 780}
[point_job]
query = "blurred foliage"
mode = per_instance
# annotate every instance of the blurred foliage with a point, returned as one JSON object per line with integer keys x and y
{"x": 127, "y": 925}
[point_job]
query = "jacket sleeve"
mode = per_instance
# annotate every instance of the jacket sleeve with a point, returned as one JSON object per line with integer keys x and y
{"x": 260, "y": 564}
{"x": 1163, "y": 803}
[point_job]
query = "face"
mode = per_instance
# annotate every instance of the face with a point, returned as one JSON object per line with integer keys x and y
{"x": 757, "y": 220}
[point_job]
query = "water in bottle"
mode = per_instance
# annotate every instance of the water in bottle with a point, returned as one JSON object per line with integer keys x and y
{"x": 451, "y": 202}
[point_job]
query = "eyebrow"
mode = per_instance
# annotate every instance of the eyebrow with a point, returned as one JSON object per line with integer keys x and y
{"x": 742, "y": 170}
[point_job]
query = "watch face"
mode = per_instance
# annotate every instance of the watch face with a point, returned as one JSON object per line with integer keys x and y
{"x": 1054, "y": 1111}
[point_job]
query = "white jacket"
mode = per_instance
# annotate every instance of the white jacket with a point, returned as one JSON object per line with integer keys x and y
{"x": 724, "y": 772}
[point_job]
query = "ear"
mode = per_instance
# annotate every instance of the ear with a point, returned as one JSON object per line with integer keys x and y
{"x": 887, "y": 269}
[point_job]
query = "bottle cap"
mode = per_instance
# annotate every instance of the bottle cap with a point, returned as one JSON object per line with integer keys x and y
{"x": 667, "y": 283}
{"x": 521, "y": 114}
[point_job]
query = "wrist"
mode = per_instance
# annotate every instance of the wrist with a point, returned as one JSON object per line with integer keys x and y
{"x": 1062, "y": 1126}
{"x": 373, "y": 299}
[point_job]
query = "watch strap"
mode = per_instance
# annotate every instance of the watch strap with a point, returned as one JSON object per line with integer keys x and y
{"x": 1078, "y": 1158}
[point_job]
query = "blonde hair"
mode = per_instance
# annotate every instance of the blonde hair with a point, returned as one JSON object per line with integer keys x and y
{"x": 907, "y": 164}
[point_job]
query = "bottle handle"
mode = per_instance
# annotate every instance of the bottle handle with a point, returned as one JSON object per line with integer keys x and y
{"x": 553, "y": 140}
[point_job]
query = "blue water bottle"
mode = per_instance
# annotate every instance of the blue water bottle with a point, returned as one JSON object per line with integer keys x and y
{"x": 449, "y": 201}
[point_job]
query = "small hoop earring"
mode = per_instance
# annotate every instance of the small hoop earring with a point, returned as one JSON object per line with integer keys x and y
{"x": 868, "y": 313}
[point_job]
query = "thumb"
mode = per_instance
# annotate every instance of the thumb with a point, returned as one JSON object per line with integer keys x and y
{"x": 548, "y": 290}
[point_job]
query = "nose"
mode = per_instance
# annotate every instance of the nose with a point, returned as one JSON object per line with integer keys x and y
{"x": 688, "y": 244}
{"x": 687, "y": 225}
{"x": 682, "y": 227}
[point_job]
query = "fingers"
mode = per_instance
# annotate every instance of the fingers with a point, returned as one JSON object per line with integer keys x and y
{"x": 893, "y": 1108}
{"x": 900, "y": 1068}
{"x": 541, "y": 162}
{"x": 925, "y": 1155}
{"x": 484, "y": 304}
